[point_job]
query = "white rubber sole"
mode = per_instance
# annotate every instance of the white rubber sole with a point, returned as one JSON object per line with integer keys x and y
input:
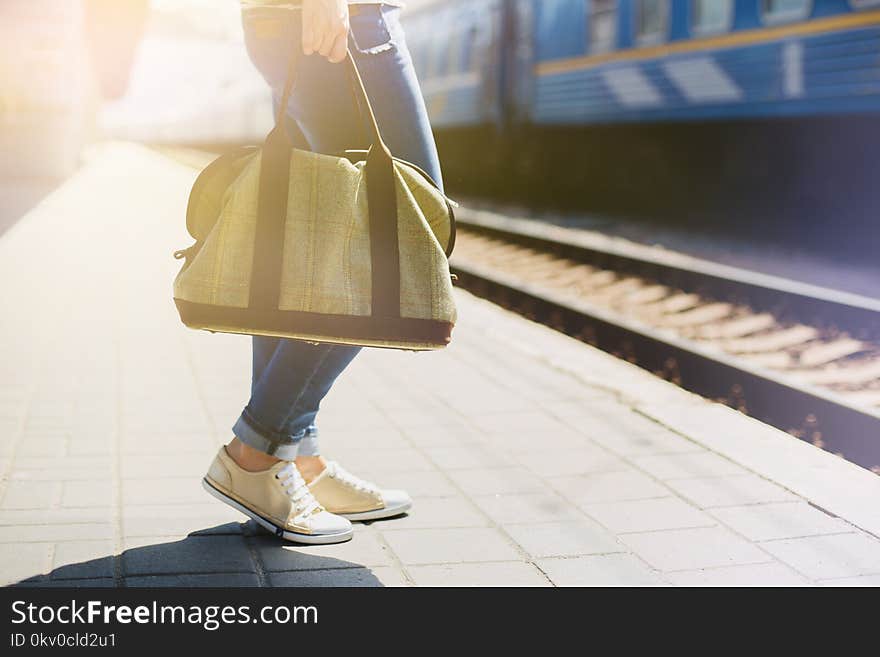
{"x": 378, "y": 514}
{"x": 280, "y": 532}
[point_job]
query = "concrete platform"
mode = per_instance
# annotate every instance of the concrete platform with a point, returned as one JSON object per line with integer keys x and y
{"x": 534, "y": 460}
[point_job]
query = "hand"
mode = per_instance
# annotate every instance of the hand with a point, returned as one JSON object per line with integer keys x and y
{"x": 325, "y": 28}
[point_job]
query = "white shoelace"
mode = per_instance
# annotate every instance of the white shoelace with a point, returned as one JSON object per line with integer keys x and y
{"x": 304, "y": 503}
{"x": 335, "y": 471}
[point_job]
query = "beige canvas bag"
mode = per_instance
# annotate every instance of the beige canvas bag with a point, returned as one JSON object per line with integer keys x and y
{"x": 345, "y": 249}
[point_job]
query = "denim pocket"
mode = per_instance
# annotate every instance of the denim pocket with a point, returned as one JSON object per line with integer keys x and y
{"x": 370, "y": 31}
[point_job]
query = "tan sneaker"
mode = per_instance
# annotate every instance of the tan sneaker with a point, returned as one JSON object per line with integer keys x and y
{"x": 277, "y": 498}
{"x": 342, "y": 493}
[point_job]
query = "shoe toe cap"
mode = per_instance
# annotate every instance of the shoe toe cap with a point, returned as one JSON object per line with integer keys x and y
{"x": 396, "y": 499}
{"x": 329, "y": 523}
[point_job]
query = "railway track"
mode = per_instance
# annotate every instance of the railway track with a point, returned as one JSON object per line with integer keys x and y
{"x": 802, "y": 358}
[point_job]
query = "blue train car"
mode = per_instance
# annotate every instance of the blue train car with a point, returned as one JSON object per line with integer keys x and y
{"x": 758, "y": 114}
{"x": 657, "y": 60}
{"x": 593, "y": 61}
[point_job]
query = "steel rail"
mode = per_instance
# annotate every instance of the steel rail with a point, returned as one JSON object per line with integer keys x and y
{"x": 821, "y": 416}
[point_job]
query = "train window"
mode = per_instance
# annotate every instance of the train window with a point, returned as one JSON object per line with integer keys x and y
{"x": 862, "y": 4}
{"x": 711, "y": 15}
{"x": 784, "y": 10}
{"x": 602, "y": 24}
{"x": 651, "y": 20}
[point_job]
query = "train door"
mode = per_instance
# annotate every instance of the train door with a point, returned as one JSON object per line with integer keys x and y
{"x": 518, "y": 141}
{"x": 519, "y": 61}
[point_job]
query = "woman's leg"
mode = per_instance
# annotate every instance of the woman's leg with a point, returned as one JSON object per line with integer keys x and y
{"x": 290, "y": 378}
{"x": 285, "y": 397}
{"x": 263, "y": 349}
{"x": 290, "y": 383}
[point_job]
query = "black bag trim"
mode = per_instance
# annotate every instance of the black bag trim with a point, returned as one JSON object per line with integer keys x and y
{"x": 268, "y": 256}
{"x": 355, "y": 156}
{"x": 337, "y": 327}
{"x": 384, "y": 246}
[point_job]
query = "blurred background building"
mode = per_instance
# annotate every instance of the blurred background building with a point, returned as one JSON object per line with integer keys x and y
{"x": 193, "y": 81}
{"x": 156, "y": 71}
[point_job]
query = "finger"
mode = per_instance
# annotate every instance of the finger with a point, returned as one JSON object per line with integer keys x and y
{"x": 329, "y": 38}
{"x": 308, "y": 37}
{"x": 340, "y": 47}
{"x": 313, "y": 30}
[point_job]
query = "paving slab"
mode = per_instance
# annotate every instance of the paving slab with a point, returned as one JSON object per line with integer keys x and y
{"x": 866, "y": 580}
{"x": 829, "y": 557}
{"x": 730, "y": 490}
{"x": 98, "y": 583}
{"x": 533, "y": 459}
{"x": 349, "y": 577}
{"x": 498, "y": 481}
{"x": 31, "y": 495}
{"x": 38, "y": 533}
{"x": 697, "y": 465}
{"x": 193, "y": 554}
{"x": 368, "y": 550}
{"x": 213, "y": 580}
{"x": 655, "y": 514}
{"x": 769, "y": 522}
{"x": 422, "y": 485}
{"x": 609, "y": 487}
{"x": 473, "y": 456}
{"x": 564, "y": 539}
{"x": 87, "y": 559}
{"x": 580, "y": 460}
{"x": 24, "y": 562}
{"x": 683, "y": 549}
{"x": 602, "y": 570}
{"x": 88, "y": 493}
{"x": 762, "y": 574}
{"x": 438, "y": 512}
{"x": 459, "y": 545}
{"x": 178, "y": 519}
{"x": 527, "y": 508}
{"x": 60, "y": 515}
{"x": 508, "y": 573}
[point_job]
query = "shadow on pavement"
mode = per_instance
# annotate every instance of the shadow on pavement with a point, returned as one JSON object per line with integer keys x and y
{"x": 229, "y": 555}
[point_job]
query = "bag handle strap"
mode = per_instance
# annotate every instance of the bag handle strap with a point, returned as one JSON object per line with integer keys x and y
{"x": 364, "y": 105}
{"x": 289, "y": 81}
{"x": 356, "y": 83}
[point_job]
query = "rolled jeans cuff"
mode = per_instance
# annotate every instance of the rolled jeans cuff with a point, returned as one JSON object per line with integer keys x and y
{"x": 284, "y": 447}
{"x": 308, "y": 446}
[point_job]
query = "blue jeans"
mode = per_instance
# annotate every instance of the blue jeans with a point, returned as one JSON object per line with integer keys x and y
{"x": 290, "y": 377}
